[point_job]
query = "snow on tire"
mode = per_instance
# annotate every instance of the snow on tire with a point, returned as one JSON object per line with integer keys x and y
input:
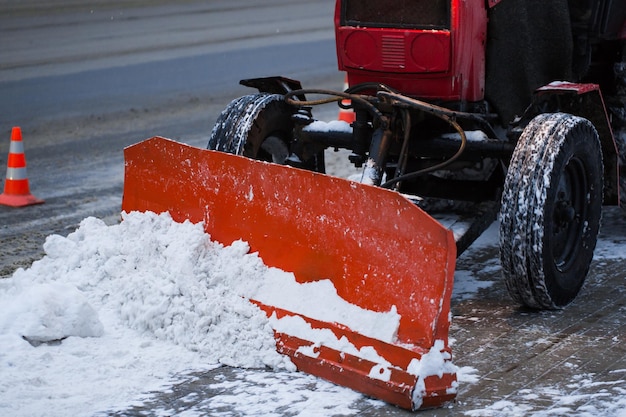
{"x": 256, "y": 126}
{"x": 551, "y": 208}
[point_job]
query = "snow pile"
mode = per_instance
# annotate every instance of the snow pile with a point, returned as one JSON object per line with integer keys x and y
{"x": 152, "y": 298}
{"x": 49, "y": 312}
{"x": 160, "y": 278}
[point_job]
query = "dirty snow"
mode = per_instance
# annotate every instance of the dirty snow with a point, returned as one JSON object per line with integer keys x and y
{"x": 114, "y": 312}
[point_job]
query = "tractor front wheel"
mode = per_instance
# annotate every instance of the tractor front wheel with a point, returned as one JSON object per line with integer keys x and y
{"x": 260, "y": 126}
{"x": 257, "y": 126}
{"x": 551, "y": 208}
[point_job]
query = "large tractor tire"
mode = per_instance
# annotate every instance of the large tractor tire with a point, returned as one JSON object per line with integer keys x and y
{"x": 551, "y": 209}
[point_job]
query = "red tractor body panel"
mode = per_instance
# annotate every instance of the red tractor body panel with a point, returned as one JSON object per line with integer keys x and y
{"x": 428, "y": 60}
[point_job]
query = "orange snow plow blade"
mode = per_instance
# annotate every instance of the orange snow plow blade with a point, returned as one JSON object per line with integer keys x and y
{"x": 380, "y": 251}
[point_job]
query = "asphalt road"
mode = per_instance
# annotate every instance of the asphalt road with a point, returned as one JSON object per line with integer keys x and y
{"x": 85, "y": 80}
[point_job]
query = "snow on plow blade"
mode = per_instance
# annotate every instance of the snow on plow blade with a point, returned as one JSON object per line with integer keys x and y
{"x": 380, "y": 251}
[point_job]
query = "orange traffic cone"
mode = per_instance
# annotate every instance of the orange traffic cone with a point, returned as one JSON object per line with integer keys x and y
{"x": 347, "y": 115}
{"x": 16, "y": 189}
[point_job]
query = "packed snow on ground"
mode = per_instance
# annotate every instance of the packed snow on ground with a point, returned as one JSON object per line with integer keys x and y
{"x": 111, "y": 313}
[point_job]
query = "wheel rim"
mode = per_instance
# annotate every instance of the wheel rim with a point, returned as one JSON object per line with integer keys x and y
{"x": 570, "y": 214}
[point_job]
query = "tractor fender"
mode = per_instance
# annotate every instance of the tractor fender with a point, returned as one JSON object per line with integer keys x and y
{"x": 274, "y": 85}
{"x": 583, "y": 100}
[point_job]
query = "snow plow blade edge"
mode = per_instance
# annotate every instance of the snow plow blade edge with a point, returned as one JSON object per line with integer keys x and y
{"x": 378, "y": 249}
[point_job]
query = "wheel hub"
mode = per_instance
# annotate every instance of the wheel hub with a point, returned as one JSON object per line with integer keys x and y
{"x": 564, "y": 214}
{"x": 569, "y": 214}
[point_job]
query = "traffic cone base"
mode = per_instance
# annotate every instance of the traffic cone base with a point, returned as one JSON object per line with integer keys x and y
{"x": 16, "y": 189}
{"x": 19, "y": 200}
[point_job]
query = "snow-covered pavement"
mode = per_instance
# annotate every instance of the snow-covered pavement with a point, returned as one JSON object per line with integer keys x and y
{"x": 138, "y": 318}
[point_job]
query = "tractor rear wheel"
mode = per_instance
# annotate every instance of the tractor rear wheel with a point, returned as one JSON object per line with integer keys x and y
{"x": 551, "y": 209}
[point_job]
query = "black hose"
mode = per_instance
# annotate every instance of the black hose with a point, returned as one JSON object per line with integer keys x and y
{"x": 335, "y": 96}
{"x": 437, "y": 167}
{"x": 389, "y": 95}
{"x": 398, "y": 99}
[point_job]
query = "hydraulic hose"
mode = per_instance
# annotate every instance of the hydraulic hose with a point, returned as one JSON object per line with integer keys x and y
{"x": 436, "y": 167}
{"x": 389, "y": 95}
{"x": 443, "y": 113}
{"x": 335, "y": 96}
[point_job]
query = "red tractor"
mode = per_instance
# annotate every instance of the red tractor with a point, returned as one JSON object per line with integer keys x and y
{"x": 478, "y": 107}
{"x": 471, "y": 108}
